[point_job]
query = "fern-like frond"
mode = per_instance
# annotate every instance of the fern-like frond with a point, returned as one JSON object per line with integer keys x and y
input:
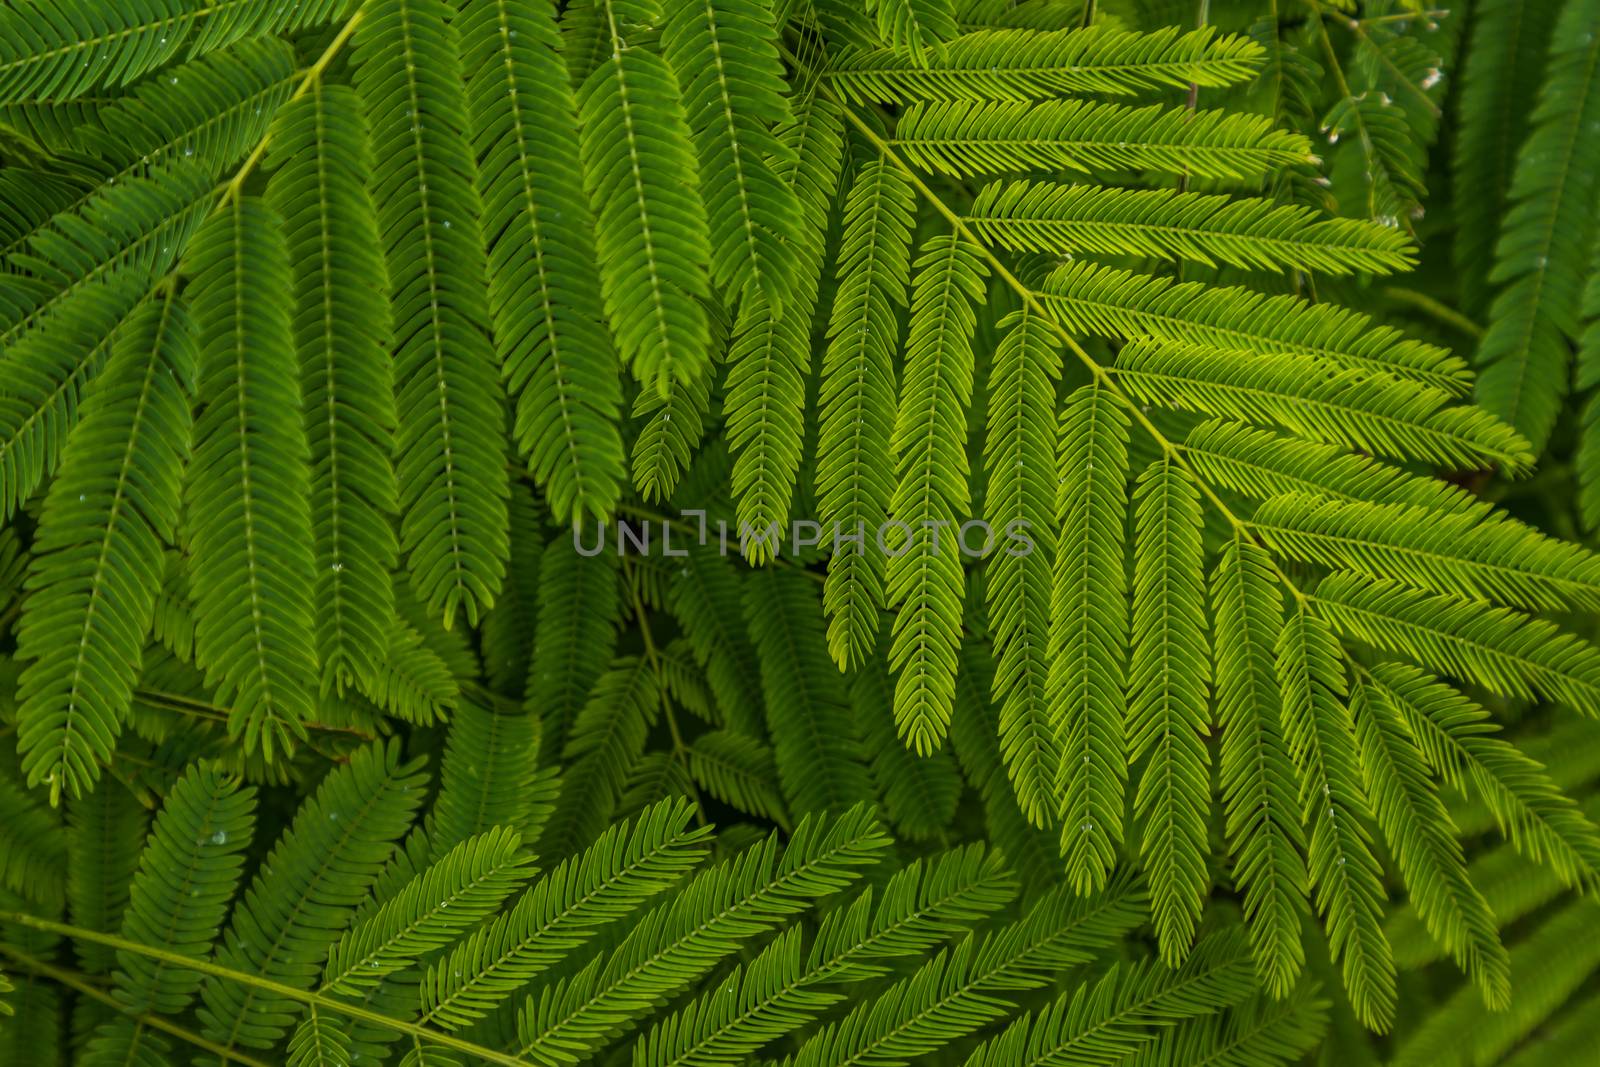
{"x": 915, "y": 26}
{"x": 60, "y": 49}
{"x": 1499, "y": 75}
{"x": 605, "y": 740}
{"x": 1105, "y": 1023}
{"x": 966, "y": 138}
{"x": 707, "y": 601}
{"x": 1456, "y": 738}
{"x": 856, "y": 407}
{"x": 924, "y": 581}
{"x": 544, "y": 284}
{"x": 1547, "y": 237}
{"x": 1168, "y": 714}
{"x": 187, "y": 875}
{"x": 1250, "y": 233}
{"x": 1422, "y": 838}
{"x": 1096, "y": 300}
{"x": 1501, "y": 650}
{"x": 450, "y": 453}
{"x": 739, "y": 771}
{"x": 651, "y": 229}
{"x": 1089, "y": 632}
{"x": 1261, "y": 465}
{"x": 487, "y": 775}
{"x": 575, "y": 634}
{"x": 1551, "y": 964}
{"x": 919, "y": 794}
{"x": 813, "y": 737}
{"x": 1022, "y": 64}
{"x": 1020, "y": 500}
{"x": 1258, "y": 780}
{"x": 1480, "y": 555}
{"x": 249, "y": 521}
{"x": 106, "y": 832}
{"x": 680, "y": 940}
{"x": 966, "y": 987}
{"x": 1259, "y": 1032}
{"x": 412, "y": 681}
{"x": 1389, "y": 416}
{"x": 455, "y": 893}
{"x": 86, "y": 272}
{"x": 66, "y": 49}
{"x": 97, "y": 557}
{"x": 765, "y": 407}
{"x": 674, "y": 421}
{"x": 209, "y": 113}
{"x": 725, "y": 57}
{"x": 342, "y": 324}
{"x": 1344, "y": 874}
{"x": 296, "y": 907}
{"x": 624, "y": 867}
{"x": 31, "y": 846}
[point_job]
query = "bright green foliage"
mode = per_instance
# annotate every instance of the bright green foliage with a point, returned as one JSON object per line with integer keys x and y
{"x": 247, "y": 512}
{"x": 799, "y": 532}
{"x": 449, "y": 447}
{"x": 559, "y": 362}
{"x": 109, "y": 512}
{"x": 858, "y": 396}
{"x": 347, "y": 383}
{"x": 1547, "y": 239}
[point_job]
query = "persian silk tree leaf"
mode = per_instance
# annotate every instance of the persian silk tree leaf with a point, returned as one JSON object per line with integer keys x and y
{"x": 1456, "y": 738}
{"x": 187, "y": 875}
{"x": 1504, "y": 651}
{"x": 318, "y": 873}
{"x": 1422, "y": 839}
{"x": 913, "y": 26}
{"x": 450, "y": 446}
{"x": 1483, "y": 555}
{"x": 626, "y": 866}
{"x": 1346, "y": 877}
{"x": 1020, "y": 499}
{"x": 461, "y": 889}
{"x": 713, "y": 916}
{"x": 249, "y": 525}
{"x": 44, "y": 58}
{"x": 342, "y": 326}
{"x": 1167, "y": 715}
{"x": 544, "y": 284}
{"x": 925, "y": 578}
{"x": 1505, "y": 57}
{"x": 210, "y": 113}
{"x": 1344, "y": 407}
{"x": 1089, "y": 633}
{"x": 1022, "y": 64}
{"x": 63, "y": 299}
{"x": 650, "y": 222}
{"x": 857, "y": 400}
{"x": 1098, "y": 300}
{"x": 968, "y": 138}
{"x": 725, "y": 55}
{"x": 1258, "y": 777}
{"x": 1547, "y": 237}
{"x": 1165, "y": 224}
{"x": 98, "y": 553}
{"x": 61, "y": 49}
{"x": 814, "y": 736}
{"x": 770, "y": 359}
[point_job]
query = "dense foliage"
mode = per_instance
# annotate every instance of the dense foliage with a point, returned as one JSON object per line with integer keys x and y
{"x": 989, "y": 532}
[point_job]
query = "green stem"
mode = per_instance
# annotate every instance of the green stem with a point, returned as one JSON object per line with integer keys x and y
{"x": 288, "y": 992}
{"x": 77, "y": 982}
